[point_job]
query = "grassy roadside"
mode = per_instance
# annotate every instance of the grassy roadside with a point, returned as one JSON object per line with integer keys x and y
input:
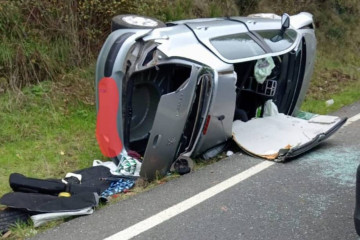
{"x": 332, "y": 80}
{"x": 48, "y": 129}
{"x": 349, "y": 95}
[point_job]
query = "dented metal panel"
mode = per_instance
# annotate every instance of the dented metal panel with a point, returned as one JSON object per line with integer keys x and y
{"x": 280, "y": 137}
{"x": 170, "y": 119}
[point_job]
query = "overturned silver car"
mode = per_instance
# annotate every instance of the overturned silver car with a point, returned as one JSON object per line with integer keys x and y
{"x": 176, "y": 91}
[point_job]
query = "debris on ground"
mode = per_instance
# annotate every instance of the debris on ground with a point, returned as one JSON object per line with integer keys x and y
{"x": 78, "y": 193}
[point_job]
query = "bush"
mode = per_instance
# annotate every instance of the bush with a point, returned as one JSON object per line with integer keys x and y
{"x": 42, "y": 38}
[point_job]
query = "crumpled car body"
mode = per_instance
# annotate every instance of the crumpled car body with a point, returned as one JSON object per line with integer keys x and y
{"x": 176, "y": 91}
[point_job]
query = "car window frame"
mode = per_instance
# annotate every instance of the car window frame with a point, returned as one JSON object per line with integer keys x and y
{"x": 206, "y": 41}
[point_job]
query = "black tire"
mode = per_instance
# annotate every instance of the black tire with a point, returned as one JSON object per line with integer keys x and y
{"x": 119, "y": 22}
{"x": 10, "y": 216}
{"x": 182, "y": 165}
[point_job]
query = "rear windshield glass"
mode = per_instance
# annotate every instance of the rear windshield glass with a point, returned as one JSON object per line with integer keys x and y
{"x": 236, "y": 46}
{"x": 281, "y": 45}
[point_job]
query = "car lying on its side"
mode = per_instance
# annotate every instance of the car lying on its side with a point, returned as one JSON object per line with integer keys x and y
{"x": 178, "y": 90}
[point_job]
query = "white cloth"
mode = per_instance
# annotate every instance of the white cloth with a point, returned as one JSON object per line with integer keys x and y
{"x": 40, "y": 219}
{"x": 270, "y": 109}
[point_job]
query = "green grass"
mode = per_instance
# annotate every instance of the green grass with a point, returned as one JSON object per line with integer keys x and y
{"x": 334, "y": 78}
{"x": 349, "y": 95}
{"x": 48, "y": 129}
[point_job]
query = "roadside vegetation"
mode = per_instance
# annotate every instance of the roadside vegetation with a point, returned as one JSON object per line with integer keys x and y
{"x": 48, "y": 51}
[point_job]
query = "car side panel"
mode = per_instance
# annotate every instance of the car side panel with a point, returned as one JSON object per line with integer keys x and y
{"x": 310, "y": 41}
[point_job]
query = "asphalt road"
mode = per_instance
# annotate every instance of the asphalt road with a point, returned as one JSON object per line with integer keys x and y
{"x": 311, "y": 197}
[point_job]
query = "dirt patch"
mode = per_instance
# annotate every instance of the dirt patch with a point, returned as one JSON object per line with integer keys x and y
{"x": 328, "y": 82}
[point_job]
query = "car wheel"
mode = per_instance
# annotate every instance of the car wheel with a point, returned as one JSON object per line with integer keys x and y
{"x": 135, "y": 21}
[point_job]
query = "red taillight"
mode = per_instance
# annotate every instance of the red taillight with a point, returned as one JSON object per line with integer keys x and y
{"x": 106, "y": 125}
{"x": 206, "y": 124}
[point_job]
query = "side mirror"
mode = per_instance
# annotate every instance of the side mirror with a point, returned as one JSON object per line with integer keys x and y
{"x": 285, "y": 24}
{"x": 285, "y": 21}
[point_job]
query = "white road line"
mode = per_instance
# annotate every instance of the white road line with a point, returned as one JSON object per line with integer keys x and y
{"x": 352, "y": 119}
{"x": 176, "y": 209}
{"x": 181, "y": 207}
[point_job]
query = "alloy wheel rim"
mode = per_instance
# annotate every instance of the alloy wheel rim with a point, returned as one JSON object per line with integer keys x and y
{"x": 140, "y": 21}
